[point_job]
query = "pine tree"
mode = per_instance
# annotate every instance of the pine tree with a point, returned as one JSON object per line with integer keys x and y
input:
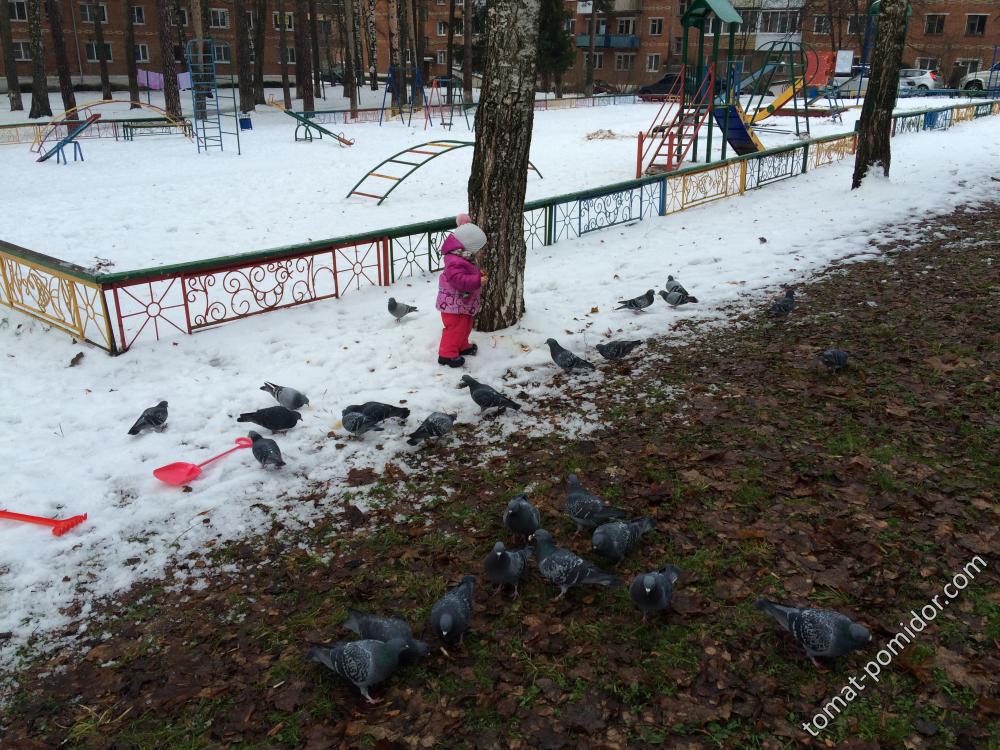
{"x": 556, "y": 47}
{"x": 9, "y": 64}
{"x": 171, "y": 94}
{"x": 260, "y": 50}
{"x": 39, "y": 86}
{"x": 102, "y": 51}
{"x": 54, "y": 8}
{"x": 130, "y": 65}
{"x": 244, "y": 67}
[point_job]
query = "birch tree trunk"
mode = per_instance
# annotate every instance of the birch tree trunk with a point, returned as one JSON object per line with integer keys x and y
{"x": 500, "y": 160}
{"x": 372, "y": 46}
{"x": 102, "y": 52}
{"x": 200, "y": 56}
{"x": 450, "y": 55}
{"x": 171, "y": 94}
{"x": 130, "y": 65}
{"x": 9, "y": 64}
{"x": 467, "y": 29}
{"x": 259, "y": 51}
{"x": 875, "y": 124}
{"x": 54, "y": 8}
{"x": 39, "y": 87}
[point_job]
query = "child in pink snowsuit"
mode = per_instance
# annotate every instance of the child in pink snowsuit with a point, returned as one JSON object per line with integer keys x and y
{"x": 459, "y": 288}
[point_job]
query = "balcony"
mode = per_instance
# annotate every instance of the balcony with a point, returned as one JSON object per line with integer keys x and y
{"x": 605, "y": 41}
{"x": 628, "y": 6}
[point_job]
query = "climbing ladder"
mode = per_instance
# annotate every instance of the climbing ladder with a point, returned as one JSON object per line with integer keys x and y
{"x": 391, "y": 94}
{"x": 674, "y": 141}
{"x": 446, "y": 116}
{"x": 204, "y": 94}
{"x": 385, "y": 176}
{"x": 661, "y": 122}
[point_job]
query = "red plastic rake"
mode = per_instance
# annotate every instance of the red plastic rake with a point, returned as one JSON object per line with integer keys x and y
{"x": 59, "y": 525}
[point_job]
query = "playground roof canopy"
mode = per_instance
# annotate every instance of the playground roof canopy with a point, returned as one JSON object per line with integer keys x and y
{"x": 699, "y": 10}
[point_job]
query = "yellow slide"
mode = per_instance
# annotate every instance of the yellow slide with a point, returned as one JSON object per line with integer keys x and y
{"x": 780, "y": 100}
{"x": 749, "y": 123}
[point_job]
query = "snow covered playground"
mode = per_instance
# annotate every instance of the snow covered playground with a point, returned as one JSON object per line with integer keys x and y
{"x": 148, "y": 240}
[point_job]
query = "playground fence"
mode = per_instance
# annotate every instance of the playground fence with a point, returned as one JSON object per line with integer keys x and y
{"x": 35, "y": 131}
{"x": 115, "y": 311}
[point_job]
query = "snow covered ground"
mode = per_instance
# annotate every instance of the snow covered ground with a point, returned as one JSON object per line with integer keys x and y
{"x": 66, "y": 448}
{"x": 155, "y": 200}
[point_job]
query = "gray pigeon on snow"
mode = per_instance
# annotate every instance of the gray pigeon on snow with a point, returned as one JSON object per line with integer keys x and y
{"x": 565, "y": 358}
{"x": 436, "y": 425}
{"x": 274, "y": 418}
{"x": 376, "y": 411}
{"x": 585, "y": 509}
{"x": 154, "y": 417}
{"x": 399, "y": 310}
{"x": 834, "y": 359}
{"x": 616, "y": 539}
{"x": 487, "y": 397}
{"x": 287, "y": 397}
{"x": 520, "y": 516}
{"x": 615, "y": 350}
{"x": 358, "y": 423}
{"x": 265, "y": 450}
{"x": 821, "y": 632}
{"x": 676, "y": 298}
{"x": 504, "y": 567}
{"x": 451, "y": 614}
{"x": 651, "y": 592}
{"x": 637, "y": 304}
{"x": 783, "y": 305}
{"x": 379, "y": 628}
{"x": 364, "y": 663}
{"x": 565, "y": 569}
{"x": 673, "y": 285}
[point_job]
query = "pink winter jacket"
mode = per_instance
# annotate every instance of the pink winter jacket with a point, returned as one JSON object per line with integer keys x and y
{"x": 459, "y": 285}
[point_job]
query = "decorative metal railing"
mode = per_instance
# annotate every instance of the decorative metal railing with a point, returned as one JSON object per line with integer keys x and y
{"x": 34, "y": 132}
{"x": 117, "y": 310}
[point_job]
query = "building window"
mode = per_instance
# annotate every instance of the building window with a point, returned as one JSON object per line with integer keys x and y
{"x": 975, "y": 25}
{"x": 855, "y": 25}
{"x": 249, "y": 20}
{"x": 442, "y": 28}
{"x": 966, "y": 66}
{"x": 821, "y": 24}
{"x": 652, "y": 63}
{"x": 92, "y": 52}
{"x": 626, "y": 26}
{"x": 750, "y": 17}
{"x": 141, "y": 53}
{"x": 624, "y": 61}
{"x": 602, "y": 26}
{"x": 289, "y": 55}
{"x": 18, "y": 10}
{"x": 779, "y": 21}
{"x": 570, "y": 25}
{"x": 459, "y": 27}
{"x": 598, "y": 60}
{"x": 183, "y": 17}
{"x": 439, "y": 2}
{"x": 934, "y": 23}
{"x": 655, "y": 26}
{"x": 22, "y": 52}
{"x": 223, "y": 53}
{"x": 138, "y": 15}
{"x": 927, "y": 63}
{"x": 87, "y": 12}
{"x": 218, "y": 18}
{"x": 442, "y": 57}
{"x": 289, "y": 22}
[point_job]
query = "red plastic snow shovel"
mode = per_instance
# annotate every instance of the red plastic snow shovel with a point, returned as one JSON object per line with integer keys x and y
{"x": 182, "y": 472}
{"x": 59, "y": 525}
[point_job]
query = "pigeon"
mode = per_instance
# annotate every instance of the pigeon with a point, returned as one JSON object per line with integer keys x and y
{"x": 265, "y": 450}
{"x": 487, "y": 397}
{"x": 154, "y": 416}
{"x": 637, "y": 304}
{"x": 399, "y": 310}
{"x": 673, "y": 285}
{"x": 287, "y": 397}
{"x": 358, "y": 423}
{"x": 615, "y": 350}
{"x": 436, "y": 425}
{"x": 783, "y": 305}
{"x": 521, "y": 517}
{"x": 834, "y": 359}
{"x": 821, "y": 632}
{"x": 676, "y": 298}
{"x": 450, "y": 615}
{"x": 377, "y": 411}
{"x": 505, "y": 567}
{"x": 565, "y": 569}
{"x": 586, "y": 509}
{"x": 364, "y": 663}
{"x": 651, "y": 592}
{"x": 615, "y": 539}
{"x": 274, "y": 418}
{"x": 381, "y": 628}
{"x": 565, "y": 358}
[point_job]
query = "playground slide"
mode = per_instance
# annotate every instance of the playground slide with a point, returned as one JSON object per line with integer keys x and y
{"x": 750, "y": 80}
{"x": 780, "y": 100}
{"x": 735, "y": 124}
{"x": 310, "y": 124}
{"x": 69, "y": 138}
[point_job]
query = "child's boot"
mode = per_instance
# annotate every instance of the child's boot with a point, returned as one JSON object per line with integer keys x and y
{"x": 470, "y": 352}
{"x": 451, "y": 361}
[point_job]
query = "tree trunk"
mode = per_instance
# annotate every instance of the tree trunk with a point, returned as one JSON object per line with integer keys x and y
{"x": 260, "y": 51}
{"x": 397, "y": 43}
{"x": 181, "y": 33}
{"x": 372, "y": 45}
{"x": 171, "y": 94}
{"x": 449, "y": 57}
{"x": 350, "y": 64}
{"x": 9, "y": 65}
{"x": 54, "y": 8}
{"x": 875, "y": 123}
{"x": 130, "y": 65}
{"x": 588, "y": 84}
{"x": 303, "y": 56}
{"x": 328, "y": 50}
{"x": 283, "y": 53}
{"x": 559, "y": 84}
{"x": 102, "y": 53}
{"x": 500, "y": 159}
{"x": 359, "y": 58}
{"x": 244, "y": 67}
{"x": 314, "y": 44}
{"x": 467, "y": 27}
{"x": 200, "y": 55}
{"x": 39, "y": 87}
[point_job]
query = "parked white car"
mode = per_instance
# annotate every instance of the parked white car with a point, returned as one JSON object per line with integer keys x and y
{"x": 981, "y": 80}
{"x": 921, "y": 79}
